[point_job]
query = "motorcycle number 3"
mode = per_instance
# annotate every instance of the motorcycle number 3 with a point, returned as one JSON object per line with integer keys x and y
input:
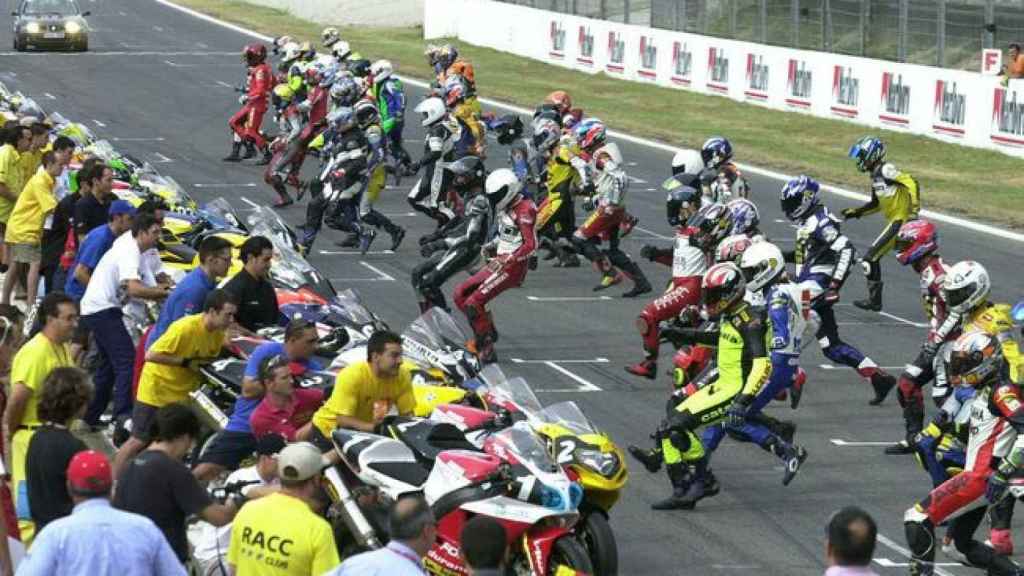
{"x": 565, "y": 452}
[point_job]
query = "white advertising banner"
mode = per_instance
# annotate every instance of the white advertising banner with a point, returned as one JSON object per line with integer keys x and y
{"x": 969, "y": 108}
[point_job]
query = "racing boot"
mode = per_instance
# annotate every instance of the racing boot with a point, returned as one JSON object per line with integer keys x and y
{"x": 283, "y": 199}
{"x": 686, "y": 489}
{"x": 350, "y": 241}
{"x": 397, "y": 234}
{"x": 236, "y": 147}
{"x": 250, "y": 150}
{"x": 873, "y": 303}
{"x": 550, "y": 251}
{"x": 640, "y": 286}
{"x": 366, "y": 239}
{"x": 792, "y": 457}
{"x": 610, "y": 278}
{"x": 796, "y": 391}
{"x": 882, "y": 383}
{"x": 711, "y": 485}
{"x": 267, "y": 155}
{"x": 647, "y": 368}
{"x": 651, "y": 459}
{"x": 567, "y": 258}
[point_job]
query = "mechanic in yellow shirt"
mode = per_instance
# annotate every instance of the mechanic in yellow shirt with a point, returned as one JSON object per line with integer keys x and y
{"x": 365, "y": 392}
{"x": 25, "y": 225}
{"x": 171, "y": 371}
{"x": 16, "y": 140}
{"x": 32, "y": 158}
{"x": 48, "y": 349}
{"x": 280, "y": 534}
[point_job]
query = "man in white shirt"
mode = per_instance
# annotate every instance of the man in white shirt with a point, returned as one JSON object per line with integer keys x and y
{"x": 210, "y": 543}
{"x": 117, "y": 277}
{"x": 413, "y": 530}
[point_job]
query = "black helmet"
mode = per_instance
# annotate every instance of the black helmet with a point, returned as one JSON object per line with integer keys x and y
{"x": 712, "y": 224}
{"x": 682, "y": 193}
{"x": 469, "y": 172}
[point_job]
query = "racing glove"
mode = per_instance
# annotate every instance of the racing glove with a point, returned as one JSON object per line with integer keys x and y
{"x": 995, "y": 490}
{"x": 851, "y": 213}
{"x": 831, "y": 294}
{"x": 651, "y": 252}
{"x": 737, "y": 411}
{"x": 243, "y": 99}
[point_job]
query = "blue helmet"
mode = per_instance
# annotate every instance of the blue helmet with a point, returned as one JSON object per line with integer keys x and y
{"x": 868, "y": 152}
{"x": 715, "y": 152}
{"x": 341, "y": 119}
{"x": 745, "y": 217}
{"x": 799, "y": 196}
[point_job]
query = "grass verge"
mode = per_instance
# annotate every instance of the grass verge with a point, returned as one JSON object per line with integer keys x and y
{"x": 955, "y": 179}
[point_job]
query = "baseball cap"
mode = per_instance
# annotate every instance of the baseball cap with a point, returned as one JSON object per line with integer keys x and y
{"x": 300, "y": 461}
{"x": 270, "y": 444}
{"x": 89, "y": 473}
{"x": 121, "y": 207}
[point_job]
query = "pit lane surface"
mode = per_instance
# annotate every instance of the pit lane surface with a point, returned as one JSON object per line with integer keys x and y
{"x": 158, "y": 84}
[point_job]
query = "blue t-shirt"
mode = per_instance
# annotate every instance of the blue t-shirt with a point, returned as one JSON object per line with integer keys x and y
{"x": 244, "y": 407}
{"x": 187, "y": 298}
{"x": 94, "y": 246}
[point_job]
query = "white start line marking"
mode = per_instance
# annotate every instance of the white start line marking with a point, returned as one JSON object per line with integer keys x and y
{"x": 567, "y": 298}
{"x": 381, "y": 276}
{"x": 855, "y": 443}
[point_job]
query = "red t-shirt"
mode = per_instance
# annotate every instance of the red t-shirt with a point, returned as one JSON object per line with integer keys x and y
{"x": 267, "y": 418}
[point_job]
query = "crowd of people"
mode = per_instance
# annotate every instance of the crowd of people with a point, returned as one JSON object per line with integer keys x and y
{"x": 85, "y": 364}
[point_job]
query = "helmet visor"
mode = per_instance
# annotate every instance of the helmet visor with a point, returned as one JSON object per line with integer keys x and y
{"x": 957, "y": 296}
{"x": 791, "y": 204}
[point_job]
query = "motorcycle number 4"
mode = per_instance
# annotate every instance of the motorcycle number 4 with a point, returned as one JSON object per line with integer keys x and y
{"x": 565, "y": 452}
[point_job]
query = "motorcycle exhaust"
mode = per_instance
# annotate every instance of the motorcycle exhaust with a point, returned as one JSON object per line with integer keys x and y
{"x": 351, "y": 513}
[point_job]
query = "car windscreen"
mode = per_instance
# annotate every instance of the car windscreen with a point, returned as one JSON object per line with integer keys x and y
{"x": 40, "y": 7}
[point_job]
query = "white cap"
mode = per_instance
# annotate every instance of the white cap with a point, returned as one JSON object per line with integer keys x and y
{"x": 300, "y": 461}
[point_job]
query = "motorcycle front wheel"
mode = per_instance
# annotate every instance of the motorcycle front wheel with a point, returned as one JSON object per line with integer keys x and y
{"x": 568, "y": 551}
{"x": 599, "y": 540}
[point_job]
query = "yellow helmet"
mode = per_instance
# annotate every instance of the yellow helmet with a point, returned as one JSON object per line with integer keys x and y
{"x": 284, "y": 92}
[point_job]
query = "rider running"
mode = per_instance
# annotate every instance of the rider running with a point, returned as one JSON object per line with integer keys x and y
{"x": 443, "y": 131}
{"x": 368, "y": 119}
{"x": 698, "y": 234}
{"x": 823, "y": 256}
{"x": 389, "y": 93}
{"x": 457, "y": 245}
{"x": 516, "y": 241}
{"x": 745, "y": 218}
{"x": 744, "y": 368}
{"x": 995, "y": 453}
{"x": 722, "y": 179}
{"x": 287, "y": 161}
{"x": 896, "y": 195}
{"x": 247, "y": 121}
{"x": 475, "y": 141}
{"x": 607, "y": 208}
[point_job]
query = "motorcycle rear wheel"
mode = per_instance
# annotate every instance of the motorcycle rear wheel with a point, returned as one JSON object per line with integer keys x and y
{"x": 597, "y": 536}
{"x": 570, "y": 552}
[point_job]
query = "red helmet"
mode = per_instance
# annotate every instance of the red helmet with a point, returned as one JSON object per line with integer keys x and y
{"x": 723, "y": 286}
{"x": 916, "y": 239}
{"x": 254, "y": 54}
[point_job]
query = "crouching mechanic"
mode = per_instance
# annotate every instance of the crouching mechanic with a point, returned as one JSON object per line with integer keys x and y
{"x": 893, "y": 192}
{"x": 607, "y": 210}
{"x": 743, "y": 370}
{"x": 516, "y": 241}
{"x": 995, "y": 453}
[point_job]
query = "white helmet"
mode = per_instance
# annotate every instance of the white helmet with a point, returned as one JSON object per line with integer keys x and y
{"x": 761, "y": 263}
{"x": 687, "y": 162}
{"x": 329, "y": 36}
{"x": 966, "y": 286}
{"x": 501, "y": 187}
{"x": 341, "y": 50}
{"x": 381, "y": 70}
{"x": 976, "y": 358}
{"x": 432, "y": 109}
{"x": 291, "y": 51}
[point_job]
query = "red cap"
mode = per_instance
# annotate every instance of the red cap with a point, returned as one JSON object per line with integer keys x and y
{"x": 89, "y": 473}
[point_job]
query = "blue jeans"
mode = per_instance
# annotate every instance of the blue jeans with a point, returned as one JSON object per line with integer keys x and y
{"x": 115, "y": 363}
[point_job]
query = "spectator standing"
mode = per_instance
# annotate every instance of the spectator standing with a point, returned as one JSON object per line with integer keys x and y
{"x": 116, "y": 276}
{"x": 257, "y": 299}
{"x": 55, "y": 233}
{"x": 25, "y": 224}
{"x": 484, "y": 545}
{"x": 32, "y": 158}
{"x": 47, "y": 350}
{"x": 65, "y": 396}
{"x": 851, "y": 543}
{"x": 97, "y": 539}
{"x": 11, "y": 330}
{"x": 413, "y": 531}
{"x": 159, "y": 486}
{"x": 256, "y": 481}
{"x": 171, "y": 371}
{"x": 284, "y": 410}
{"x": 236, "y": 441}
{"x": 16, "y": 140}
{"x": 1015, "y": 67}
{"x": 286, "y": 516}
{"x": 365, "y": 392}
{"x": 96, "y": 243}
{"x": 91, "y": 209}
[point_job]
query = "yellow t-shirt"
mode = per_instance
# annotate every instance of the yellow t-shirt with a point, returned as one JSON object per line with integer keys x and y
{"x": 187, "y": 337}
{"x": 357, "y": 391}
{"x": 279, "y": 535}
{"x": 11, "y": 175}
{"x": 30, "y": 162}
{"x": 32, "y": 364}
{"x": 25, "y": 224}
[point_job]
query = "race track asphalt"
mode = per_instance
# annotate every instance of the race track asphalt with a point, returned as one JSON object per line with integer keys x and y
{"x": 157, "y": 82}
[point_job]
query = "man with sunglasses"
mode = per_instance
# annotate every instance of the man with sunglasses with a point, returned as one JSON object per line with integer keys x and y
{"x": 172, "y": 367}
{"x": 285, "y": 409}
{"x": 236, "y": 441}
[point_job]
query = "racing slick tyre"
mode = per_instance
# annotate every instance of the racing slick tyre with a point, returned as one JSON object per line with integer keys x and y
{"x": 568, "y": 551}
{"x": 598, "y": 538}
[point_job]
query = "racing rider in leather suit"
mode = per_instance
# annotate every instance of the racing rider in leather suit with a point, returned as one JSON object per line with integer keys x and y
{"x": 516, "y": 241}
{"x": 995, "y": 453}
{"x": 389, "y": 93}
{"x": 721, "y": 179}
{"x": 443, "y": 131}
{"x": 823, "y": 256}
{"x": 246, "y": 123}
{"x": 896, "y": 195}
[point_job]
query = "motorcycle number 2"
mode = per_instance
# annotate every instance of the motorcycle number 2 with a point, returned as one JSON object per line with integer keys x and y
{"x": 566, "y": 448}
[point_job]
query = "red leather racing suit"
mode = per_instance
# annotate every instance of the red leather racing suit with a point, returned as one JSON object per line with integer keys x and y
{"x": 517, "y": 240}
{"x": 247, "y": 121}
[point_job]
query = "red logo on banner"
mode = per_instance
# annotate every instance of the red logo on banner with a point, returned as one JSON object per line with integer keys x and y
{"x": 895, "y": 100}
{"x": 799, "y": 83}
{"x": 585, "y": 46}
{"x": 557, "y": 36}
{"x": 1007, "y": 118}
{"x": 648, "y": 59}
{"x": 757, "y": 78}
{"x": 616, "y": 52}
{"x": 845, "y": 92}
{"x": 718, "y": 70}
{"x": 682, "y": 64}
{"x": 949, "y": 111}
